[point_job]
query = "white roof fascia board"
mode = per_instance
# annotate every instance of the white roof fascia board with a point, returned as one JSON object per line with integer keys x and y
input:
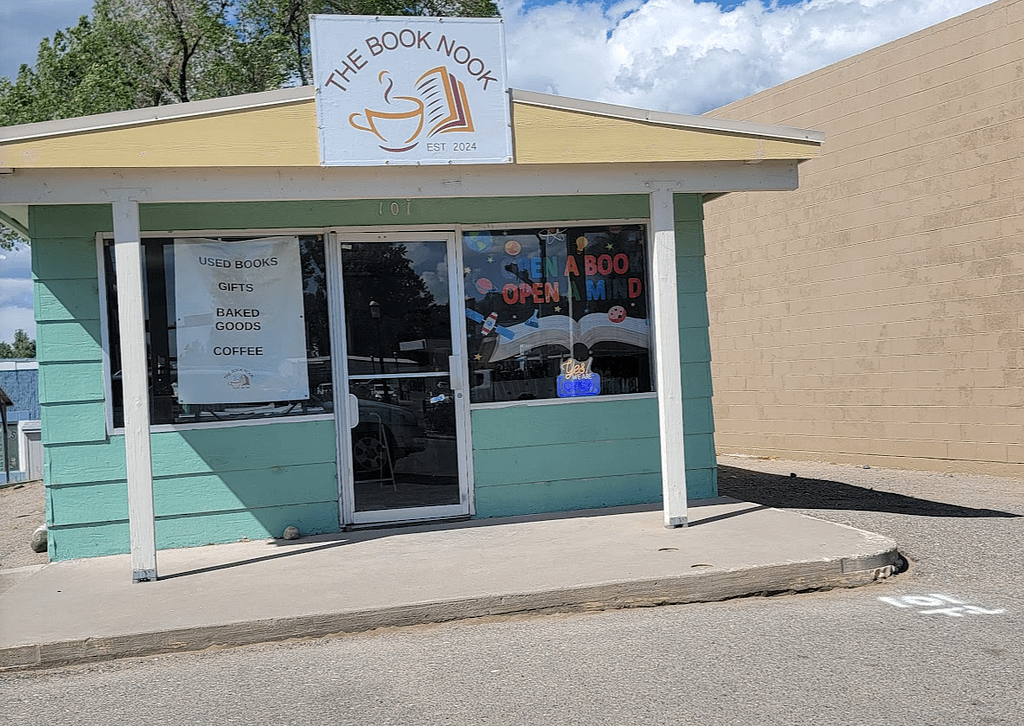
{"x": 139, "y": 116}
{"x": 300, "y": 94}
{"x": 662, "y": 118}
{"x": 229, "y": 184}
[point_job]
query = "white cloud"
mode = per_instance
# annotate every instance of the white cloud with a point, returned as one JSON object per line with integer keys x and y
{"x": 690, "y": 57}
{"x": 14, "y": 318}
{"x": 16, "y": 293}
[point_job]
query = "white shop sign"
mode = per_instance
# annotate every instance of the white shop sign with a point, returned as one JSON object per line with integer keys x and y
{"x": 410, "y": 90}
{"x": 241, "y": 332}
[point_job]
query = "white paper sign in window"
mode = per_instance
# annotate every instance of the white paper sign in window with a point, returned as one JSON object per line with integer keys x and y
{"x": 410, "y": 90}
{"x": 241, "y": 334}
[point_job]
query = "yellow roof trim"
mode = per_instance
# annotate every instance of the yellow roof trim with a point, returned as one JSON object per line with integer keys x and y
{"x": 279, "y": 129}
{"x": 546, "y": 135}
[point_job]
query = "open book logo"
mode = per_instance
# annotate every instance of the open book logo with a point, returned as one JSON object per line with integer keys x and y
{"x": 439, "y": 106}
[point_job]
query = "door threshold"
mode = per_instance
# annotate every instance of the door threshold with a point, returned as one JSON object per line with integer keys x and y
{"x": 355, "y": 527}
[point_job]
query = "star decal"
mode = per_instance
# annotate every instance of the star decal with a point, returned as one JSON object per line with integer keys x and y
{"x": 477, "y": 357}
{"x": 558, "y": 308}
{"x": 467, "y": 270}
{"x": 490, "y": 259}
{"x": 609, "y": 246}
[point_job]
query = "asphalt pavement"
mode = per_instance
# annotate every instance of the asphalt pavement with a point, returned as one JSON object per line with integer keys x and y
{"x": 938, "y": 644}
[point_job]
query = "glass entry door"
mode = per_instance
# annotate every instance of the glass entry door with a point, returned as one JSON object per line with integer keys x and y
{"x": 405, "y": 410}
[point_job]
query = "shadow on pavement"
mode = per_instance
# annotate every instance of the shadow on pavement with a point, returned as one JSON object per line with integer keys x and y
{"x": 785, "y": 492}
{"x": 316, "y": 543}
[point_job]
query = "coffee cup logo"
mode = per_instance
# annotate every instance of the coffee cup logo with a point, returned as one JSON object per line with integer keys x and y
{"x": 399, "y": 127}
{"x": 396, "y": 128}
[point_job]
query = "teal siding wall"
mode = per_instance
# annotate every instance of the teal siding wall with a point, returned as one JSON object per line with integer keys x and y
{"x": 223, "y": 484}
{"x": 695, "y": 349}
{"x": 555, "y": 457}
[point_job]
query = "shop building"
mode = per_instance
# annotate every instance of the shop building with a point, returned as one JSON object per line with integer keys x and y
{"x": 236, "y": 336}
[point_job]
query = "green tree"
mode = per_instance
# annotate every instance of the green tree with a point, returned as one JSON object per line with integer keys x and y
{"x": 23, "y": 347}
{"x": 9, "y": 238}
{"x": 142, "y": 53}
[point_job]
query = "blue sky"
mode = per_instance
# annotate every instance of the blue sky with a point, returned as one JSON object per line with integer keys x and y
{"x": 669, "y": 55}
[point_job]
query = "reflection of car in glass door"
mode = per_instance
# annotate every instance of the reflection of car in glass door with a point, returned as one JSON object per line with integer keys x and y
{"x": 385, "y": 433}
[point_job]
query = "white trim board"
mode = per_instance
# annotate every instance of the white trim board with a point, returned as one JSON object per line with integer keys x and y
{"x": 103, "y": 186}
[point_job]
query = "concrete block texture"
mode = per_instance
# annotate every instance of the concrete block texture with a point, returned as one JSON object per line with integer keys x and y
{"x": 874, "y": 315}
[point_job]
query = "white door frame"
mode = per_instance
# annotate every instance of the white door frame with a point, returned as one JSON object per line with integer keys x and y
{"x": 345, "y": 417}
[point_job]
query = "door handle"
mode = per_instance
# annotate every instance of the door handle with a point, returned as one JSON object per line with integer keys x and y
{"x": 455, "y": 374}
{"x": 353, "y": 411}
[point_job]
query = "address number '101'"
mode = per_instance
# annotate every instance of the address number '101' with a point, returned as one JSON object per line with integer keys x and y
{"x": 394, "y": 209}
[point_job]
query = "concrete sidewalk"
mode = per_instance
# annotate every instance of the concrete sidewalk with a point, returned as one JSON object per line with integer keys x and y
{"x": 251, "y": 592}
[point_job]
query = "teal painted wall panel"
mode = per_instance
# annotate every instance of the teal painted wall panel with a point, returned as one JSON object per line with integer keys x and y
{"x": 699, "y": 450}
{"x": 243, "y": 448}
{"x": 65, "y": 423}
{"x": 517, "y": 426}
{"x": 201, "y": 451}
{"x": 556, "y": 462}
{"x": 89, "y": 503}
{"x": 690, "y": 275}
{"x": 689, "y": 240}
{"x": 694, "y": 346}
{"x": 84, "y": 463}
{"x": 567, "y": 495}
{"x": 274, "y": 486}
{"x": 69, "y": 341}
{"x": 76, "y": 299}
{"x": 698, "y": 416}
{"x": 693, "y": 310}
{"x": 695, "y": 349}
{"x": 368, "y": 212}
{"x": 201, "y": 494}
{"x": 96, "y": 540}
{"x": 54, "y": 222}
{"x": 696, "y": 380}
{"x": 688, "y": 208}
{"x": 70, "y": 382}
{"x": 111, "y": 538}
{"x": 65, "y": 259}
{"x": 83, "y": 221}
{"x": 702, "y": 483}
{"x": 192, "y": 531}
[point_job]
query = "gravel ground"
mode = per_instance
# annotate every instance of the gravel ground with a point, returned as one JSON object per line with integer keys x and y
{"x": 22, "y": 509}
{"x": 828, "y": 491}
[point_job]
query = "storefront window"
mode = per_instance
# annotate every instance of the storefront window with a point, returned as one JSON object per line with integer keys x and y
{"x": 557, "y": 312}
{"x": 235, "y": 329}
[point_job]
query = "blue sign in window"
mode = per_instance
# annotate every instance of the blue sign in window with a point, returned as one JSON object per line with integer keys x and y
{"x": 572, "y": 387}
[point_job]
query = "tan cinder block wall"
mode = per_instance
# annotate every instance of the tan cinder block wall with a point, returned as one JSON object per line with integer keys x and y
{"x": 876, "y": 315}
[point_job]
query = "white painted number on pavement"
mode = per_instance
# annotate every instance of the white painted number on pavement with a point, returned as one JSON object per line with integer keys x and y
{"x": 939, "y": 605}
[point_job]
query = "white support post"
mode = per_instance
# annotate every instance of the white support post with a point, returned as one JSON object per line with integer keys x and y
{"x": 666, "y": 336}
{"x": 135, "y": 383}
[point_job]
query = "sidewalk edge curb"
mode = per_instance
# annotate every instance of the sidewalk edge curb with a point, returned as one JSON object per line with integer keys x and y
{"x": 842, "y": 572}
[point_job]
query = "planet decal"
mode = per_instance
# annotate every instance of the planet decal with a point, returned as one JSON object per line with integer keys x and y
{"x": 513, "y": 248}
{"x": 617, "y": 314}
{"x": 477, "y": 241}
{"x": 485, "y": 286}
